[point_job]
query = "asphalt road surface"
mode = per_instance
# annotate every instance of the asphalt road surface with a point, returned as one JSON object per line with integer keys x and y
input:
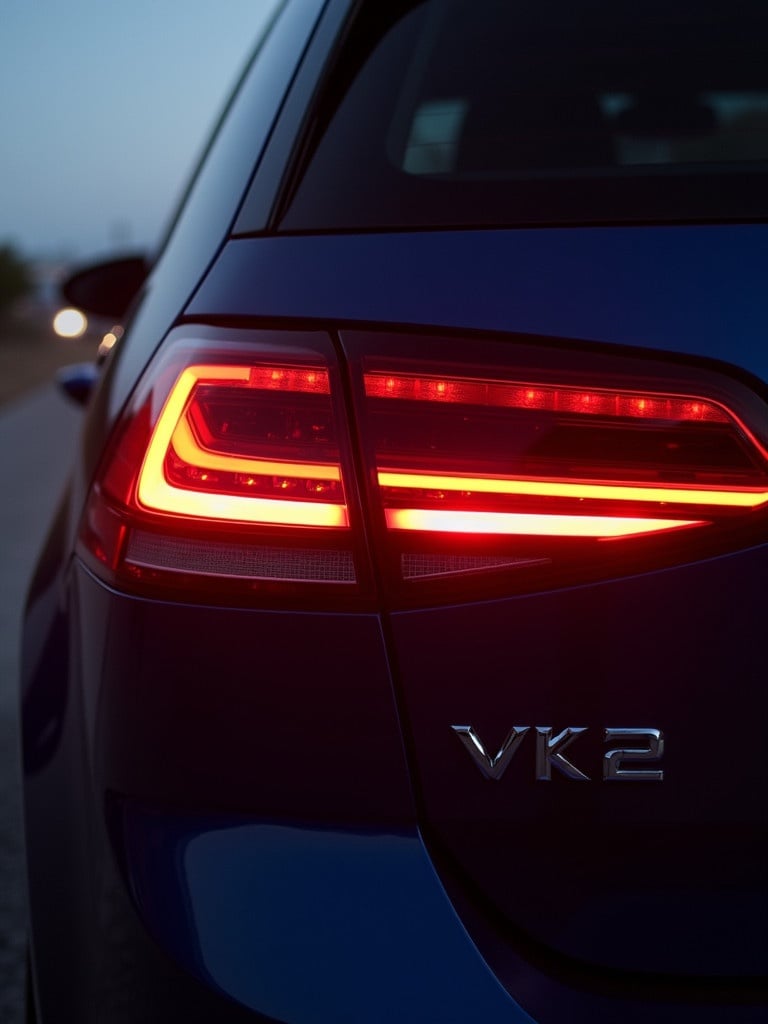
{"x": 37, "y": 438}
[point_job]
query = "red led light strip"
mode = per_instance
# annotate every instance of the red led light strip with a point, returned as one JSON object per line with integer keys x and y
{"x": 288, "y": 378}
{"x": 536, "y": 397}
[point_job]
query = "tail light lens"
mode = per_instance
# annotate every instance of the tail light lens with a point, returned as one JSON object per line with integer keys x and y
{"x": 554, "y": 454}
{"x": 543, "y": 466}
{"x": 246, "y": 443}
{"x": 230, "y": 469}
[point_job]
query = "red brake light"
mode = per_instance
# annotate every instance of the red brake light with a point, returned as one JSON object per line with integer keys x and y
{"x": 228, "y": 464}
{"x": 189, "y": 470}
{"x": 232, "y": 470}
{"x": 484, "y": 503}
{"x": 517, "y": 471}
{"x": 566, "y": 488}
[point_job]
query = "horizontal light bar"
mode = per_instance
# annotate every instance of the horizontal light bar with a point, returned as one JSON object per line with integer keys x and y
{"x": 679, "y": 495}
{"x": 537, "y": 397}
{"x": 513, "y": 523}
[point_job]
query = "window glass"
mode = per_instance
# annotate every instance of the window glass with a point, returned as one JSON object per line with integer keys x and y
{"x": 472, "y": 112}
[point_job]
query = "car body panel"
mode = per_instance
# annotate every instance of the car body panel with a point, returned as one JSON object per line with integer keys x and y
{"x": 274, "y": 911}
{"x": 688, "y": 851}
{"x": 662, "y": 877}
{"x": 696, "y": 290}
{"x": 308, "y": 729}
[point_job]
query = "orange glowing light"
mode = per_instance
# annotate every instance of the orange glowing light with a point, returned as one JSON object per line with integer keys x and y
{"x": 172, "y": 429}
{"x": 511, "y": 523}
{"x": 107, "y": 343}
{"x": 682, "y": 494}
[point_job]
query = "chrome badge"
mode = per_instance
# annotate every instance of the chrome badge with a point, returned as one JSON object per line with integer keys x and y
{"x": 626, "y": 763}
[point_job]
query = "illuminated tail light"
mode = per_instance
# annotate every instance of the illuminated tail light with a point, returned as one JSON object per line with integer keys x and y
{"x": 548, "y": 481}
{"x": 201, "y": 460}
{"x": 227, "y": 465}
{"x": 231, "y": 472}
{"x": 607, "y": 451}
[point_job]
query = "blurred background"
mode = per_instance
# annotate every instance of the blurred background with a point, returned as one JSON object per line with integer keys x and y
{"x": 105, "y": 109}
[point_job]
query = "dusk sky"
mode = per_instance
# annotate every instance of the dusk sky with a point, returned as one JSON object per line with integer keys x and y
{"x": 104, "y": 107}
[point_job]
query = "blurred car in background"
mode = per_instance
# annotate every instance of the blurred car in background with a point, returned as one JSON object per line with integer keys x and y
{"x": 396, "y": 652}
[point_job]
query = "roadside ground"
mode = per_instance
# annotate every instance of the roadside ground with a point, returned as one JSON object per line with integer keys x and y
{"x": 38, "y": 427}
{"x": 30, "y": 355}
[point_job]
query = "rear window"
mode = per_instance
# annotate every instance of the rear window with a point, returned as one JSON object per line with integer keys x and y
{"x": 494, "y": 112}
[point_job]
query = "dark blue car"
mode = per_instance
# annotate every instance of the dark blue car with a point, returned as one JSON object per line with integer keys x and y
{"x": 397, "y": 652}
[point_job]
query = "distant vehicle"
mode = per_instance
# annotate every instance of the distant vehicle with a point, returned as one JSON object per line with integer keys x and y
{"x": 397, "y": 653}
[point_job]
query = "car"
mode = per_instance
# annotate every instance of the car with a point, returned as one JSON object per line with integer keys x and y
{"x": 396, "y": 652}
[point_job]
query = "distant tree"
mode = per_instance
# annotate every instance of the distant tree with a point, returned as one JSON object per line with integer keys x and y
{"x": 15, "y": 280}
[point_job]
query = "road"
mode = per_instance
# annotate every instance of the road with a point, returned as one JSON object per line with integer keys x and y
{"x": 37, "y": 438}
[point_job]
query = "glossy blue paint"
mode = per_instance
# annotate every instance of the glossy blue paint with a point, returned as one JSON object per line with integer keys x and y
{"x": 673, "y": 650}
{"x": 309, "y": 925}
{"x": 696, "y": 290}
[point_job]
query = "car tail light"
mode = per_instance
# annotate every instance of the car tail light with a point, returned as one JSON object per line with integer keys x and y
{"x": 231, "y": 468}
{"x": 544, "y": 467}
{"x": 485, "y": 467}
